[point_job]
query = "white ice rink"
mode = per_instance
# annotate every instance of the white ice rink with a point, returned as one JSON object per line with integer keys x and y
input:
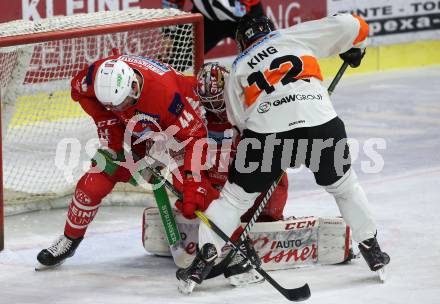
{"x": 111, "y": 266}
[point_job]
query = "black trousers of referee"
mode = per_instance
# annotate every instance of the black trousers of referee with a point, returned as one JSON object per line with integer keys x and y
{"x": 323, "y": 149}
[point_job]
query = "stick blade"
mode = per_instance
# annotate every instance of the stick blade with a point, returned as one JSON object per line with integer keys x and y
{"x": 181, "y": 258}
{"x": 298, "y": 294}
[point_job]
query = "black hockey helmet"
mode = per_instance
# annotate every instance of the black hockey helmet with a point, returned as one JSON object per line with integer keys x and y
{"x": 251, "y": 28}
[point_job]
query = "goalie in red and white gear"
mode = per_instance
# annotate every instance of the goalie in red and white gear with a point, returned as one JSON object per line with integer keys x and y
{"x": 131, "y": 98}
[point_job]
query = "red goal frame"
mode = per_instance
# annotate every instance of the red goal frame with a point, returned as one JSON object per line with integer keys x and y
{"x": 195, "y": 19}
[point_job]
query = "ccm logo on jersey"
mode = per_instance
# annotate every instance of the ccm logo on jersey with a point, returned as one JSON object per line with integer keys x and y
{"x": 265, "y": 106}
{"x": 261, "y": 56}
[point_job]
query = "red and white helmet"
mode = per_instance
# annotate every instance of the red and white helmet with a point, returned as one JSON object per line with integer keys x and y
{"x": 114, "y": 82}
{"x": 210, "y": 86}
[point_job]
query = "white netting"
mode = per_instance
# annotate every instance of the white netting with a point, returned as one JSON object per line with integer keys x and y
{"x": 37, "y": 112}
{"x": 22, "y": 27}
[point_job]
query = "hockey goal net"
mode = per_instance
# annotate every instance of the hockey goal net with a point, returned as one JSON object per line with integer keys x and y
{"x": 47, "y": 139}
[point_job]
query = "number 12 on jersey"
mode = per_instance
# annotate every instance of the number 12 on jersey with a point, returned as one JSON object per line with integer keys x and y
{"x": 285, "y": 69}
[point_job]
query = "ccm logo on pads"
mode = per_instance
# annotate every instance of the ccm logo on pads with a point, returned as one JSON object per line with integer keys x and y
{"x": 300, "y": 225}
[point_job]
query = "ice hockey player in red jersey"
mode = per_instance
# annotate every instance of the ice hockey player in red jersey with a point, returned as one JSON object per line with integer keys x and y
{"x": 132, "y": 95}
{"x": 275, "y": 97}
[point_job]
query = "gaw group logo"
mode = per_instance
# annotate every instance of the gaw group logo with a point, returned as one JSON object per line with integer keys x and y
{"x": 264, "y": 107}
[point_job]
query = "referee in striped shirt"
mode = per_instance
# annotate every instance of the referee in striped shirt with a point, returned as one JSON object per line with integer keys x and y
{"x": 221, "y": 16}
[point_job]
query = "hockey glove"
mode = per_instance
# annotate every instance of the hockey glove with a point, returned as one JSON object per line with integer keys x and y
{"x": 353, "y": 56}
{"x": 197, "y": 195}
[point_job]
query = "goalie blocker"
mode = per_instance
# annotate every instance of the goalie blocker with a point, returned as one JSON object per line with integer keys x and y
{"x": 280, "y": 245}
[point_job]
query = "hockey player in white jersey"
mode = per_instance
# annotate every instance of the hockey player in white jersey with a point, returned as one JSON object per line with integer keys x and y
{"x": 275, "y": 97}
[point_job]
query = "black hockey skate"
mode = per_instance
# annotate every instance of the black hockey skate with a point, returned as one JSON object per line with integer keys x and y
{"x": 63, "y": 248}
{"x": 374, "y": 256}
{"x": 240, "y": 271}
{"x": 198, "y": 270}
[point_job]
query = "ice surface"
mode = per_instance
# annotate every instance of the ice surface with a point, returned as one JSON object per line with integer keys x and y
{"x": 111, "y": 265}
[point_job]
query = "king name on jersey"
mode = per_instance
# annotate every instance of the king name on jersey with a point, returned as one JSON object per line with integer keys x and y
{"x": 260, "y": 56}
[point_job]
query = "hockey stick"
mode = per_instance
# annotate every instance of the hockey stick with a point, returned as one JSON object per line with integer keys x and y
{"x": 294, "y": 294}
{"x": 180, "y": 256}
{"x": 337, "y": 77}
{"x": 219, "y": 268}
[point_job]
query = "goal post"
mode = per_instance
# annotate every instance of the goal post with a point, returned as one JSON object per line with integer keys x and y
{"x": 2, "y": 224}
{"x": 46, "y": 139}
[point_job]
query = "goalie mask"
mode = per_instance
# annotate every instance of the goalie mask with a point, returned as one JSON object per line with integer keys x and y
{"x": 250, "y": 29}
{"x": 116, "y": 85}
{"x": 210, "y": 87}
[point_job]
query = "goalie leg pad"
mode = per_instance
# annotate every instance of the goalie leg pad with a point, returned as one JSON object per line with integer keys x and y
{"x": 280, "y": 245}
{"x": 153, "y": 233}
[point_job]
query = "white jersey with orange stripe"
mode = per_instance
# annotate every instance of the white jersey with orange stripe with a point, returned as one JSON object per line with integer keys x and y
{"x": 275, "y": 85}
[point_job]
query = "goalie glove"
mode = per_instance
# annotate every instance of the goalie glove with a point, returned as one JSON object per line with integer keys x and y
{"x": 353, "y": 56}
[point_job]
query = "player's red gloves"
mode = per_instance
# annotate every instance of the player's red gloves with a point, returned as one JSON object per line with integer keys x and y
{"x": 197, "y": 195}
